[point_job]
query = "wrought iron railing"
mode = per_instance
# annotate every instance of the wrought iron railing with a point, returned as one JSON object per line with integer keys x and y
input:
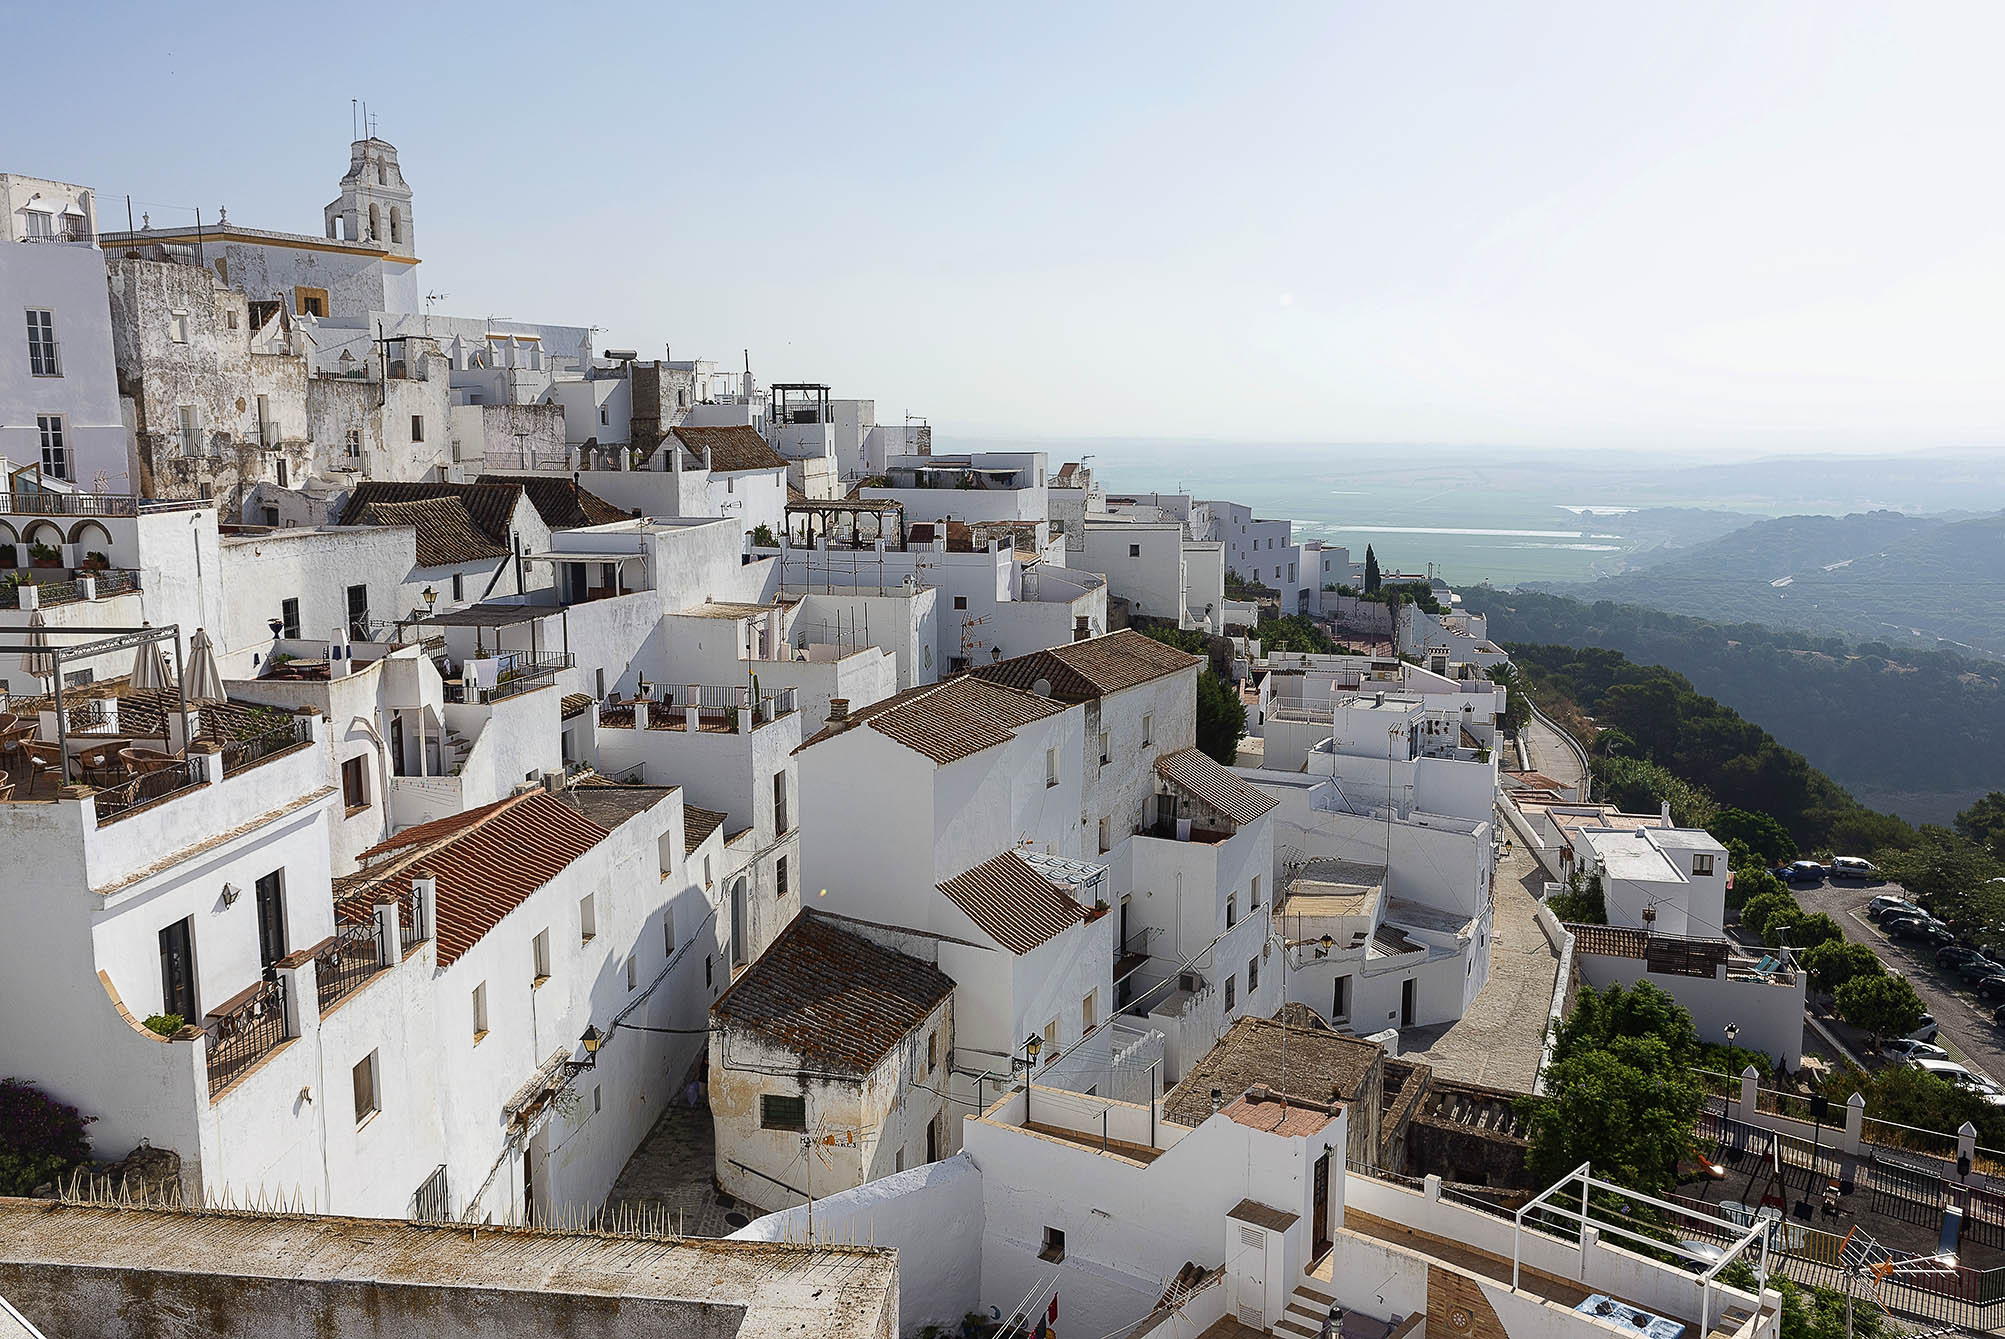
{"x": 411, "y": 927}
{"x": 240, "y": 754}
{"x": 147, "y": 788}
{"x": 246, "y": 1033}
{"x": 350, "y": 958}
{"x": 526, "y": 670}
{"x": 43, "y": 502}
{"x": 114, "y": 580}
{"x": 58, "y": 592}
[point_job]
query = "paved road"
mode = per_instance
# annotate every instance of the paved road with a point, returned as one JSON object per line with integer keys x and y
{"x": 1965, "y": 1020}
{"x": 1551, "y": 755}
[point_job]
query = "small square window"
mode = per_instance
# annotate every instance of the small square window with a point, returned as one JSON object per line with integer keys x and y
{"x": 782, "y": 1113}
{"x": 230, "y": 320}
{"x": 177, "y": 327}
{"x": 367, "y": 1098}
{"x": 1702, "y": 864}
{"x": 960, "y": 602}
{"x": 1134, "y": 550}
{"x": 1054, "y": 1245}
{"x": 417, "y": 427}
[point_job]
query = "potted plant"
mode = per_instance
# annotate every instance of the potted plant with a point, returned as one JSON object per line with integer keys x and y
{"x": 95, "y": 561}
{"x": 44, "y": 555}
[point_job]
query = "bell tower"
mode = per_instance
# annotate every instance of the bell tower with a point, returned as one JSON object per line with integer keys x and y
{"x": 375, "y": 203}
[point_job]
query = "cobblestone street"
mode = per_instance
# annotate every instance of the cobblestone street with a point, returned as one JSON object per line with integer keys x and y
{"x": 673, "y": 1173}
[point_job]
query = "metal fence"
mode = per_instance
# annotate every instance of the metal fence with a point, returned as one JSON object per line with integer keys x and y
{"x": 353, "y": 956}
{"x": 147, "y": 788}
{"x": 116, "y": 580}
{"x": 240, "y": 754}
{"x": 36, "y": 502}
{"x": 245, "y": 1034}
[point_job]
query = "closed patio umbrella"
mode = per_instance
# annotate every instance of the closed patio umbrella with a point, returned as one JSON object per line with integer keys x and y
{"x": 149, "y": 668}
{"x": 38, "y": 663}
{"x": 205, "y": 681}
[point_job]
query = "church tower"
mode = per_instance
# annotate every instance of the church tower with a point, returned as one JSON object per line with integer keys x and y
{"x": 375, "y": 203}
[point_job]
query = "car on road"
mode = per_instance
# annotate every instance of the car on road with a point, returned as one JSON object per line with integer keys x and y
{"x": 1992, "y": 988}
{"x": 1886, "y": 904}
{"x": 1908, "y": 1049}
{"x": 1801, "y": 871}
{"x": 1853, "y": 867}
{"x": 1955, "y": 955}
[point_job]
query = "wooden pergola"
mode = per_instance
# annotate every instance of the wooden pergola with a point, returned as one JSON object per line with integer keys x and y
{"x": 827, "y": 514}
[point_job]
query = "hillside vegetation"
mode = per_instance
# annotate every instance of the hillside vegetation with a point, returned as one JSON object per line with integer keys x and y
{"x": 1877, "y": 576}
{"x": 1918, "y": 733}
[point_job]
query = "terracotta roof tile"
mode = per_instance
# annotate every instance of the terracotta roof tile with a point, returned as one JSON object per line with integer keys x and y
{"x": 1198, "y": 775}
{"x": 575, "y": 704}
{"x": 487, "y": 862}
{"x": 1093, "y": 668}
{"x": 732, "y": 447}
{"x": 1014, "y": 904}
{"x": 490, "y": 505}
{"x": 949, "y": 721}
{"x": 447, "y": 535}
{"x": 698, "y": 824}
{"x": 834, "y": 998}
{"x": 563, "y": 504}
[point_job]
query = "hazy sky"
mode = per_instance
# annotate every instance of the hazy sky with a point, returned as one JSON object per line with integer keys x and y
{"x": 1711, "y": 227}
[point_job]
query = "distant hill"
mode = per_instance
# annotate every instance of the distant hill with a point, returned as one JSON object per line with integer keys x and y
{"x": 1916, "y": 733}
{"x": 1909, "y": 581}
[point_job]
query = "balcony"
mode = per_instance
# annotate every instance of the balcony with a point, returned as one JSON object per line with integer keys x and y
{"x": 244, "y": 1030}
{"x": 518, "y": 672}
{"x": 709, "y": 708}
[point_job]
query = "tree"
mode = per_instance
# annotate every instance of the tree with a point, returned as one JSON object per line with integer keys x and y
{"x": 1750, "y": 881}
{"x": 1372, "y": 579}
{"x": 1903, "y": 1095}
{"x": 41, "y": 1139}
{"x": 1767, "y": 839}
{"x": 1628, "y": 1111}
{"x": 1805, "y": 932}
{"x": 1583, "y": 903}
{"x": 1832, "y": 963}
{"x": 1600, "y": 1018}
{"x": 762, "y": 536}
{"x": 1517, "y": 704}
{"x": 1883, "y": 1006}
{"x": 1984, "y": 823}
{"x": 1759, "y": 911}
{"x": 1639, "y": 786}
{"x": 1221, "y": 717}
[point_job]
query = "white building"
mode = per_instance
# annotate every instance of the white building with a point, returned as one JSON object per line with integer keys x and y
{"x": 828, "y": 1063}
{"x": 1159, "y": 572}
{"x": 1654, "y": 876}
{"x": 59, "y": 386}
{"x": 1260, "y": 551}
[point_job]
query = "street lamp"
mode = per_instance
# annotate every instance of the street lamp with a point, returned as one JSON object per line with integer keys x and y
{"x": 1732, "y": 1030}
{"x": 431, "y": 597}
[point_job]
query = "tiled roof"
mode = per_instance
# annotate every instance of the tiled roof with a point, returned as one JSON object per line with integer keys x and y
{"x": 491, "y": 506}
{"x": 611, "y": 805}
{"x": 1198, "y": 775}
{"x": 835, "y": 999}
{"x": 562, "y": 503}
{"x": 1017, "y": 906}
{"x": 1092, "y": 668}
{"x": 732, "y": 447}
{"x": 1321, "y": 1066}
{"x": 446, "y": 532}
{"x": 487, "y": 862}
{"x": 575, "y": 704}
{"x": 952, "y": 720}
{"x": 698, "y": 824}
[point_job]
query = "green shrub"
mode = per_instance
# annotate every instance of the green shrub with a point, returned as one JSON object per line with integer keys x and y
{"x": 166, "y": 1024}
{"x": 41, "y": 1139}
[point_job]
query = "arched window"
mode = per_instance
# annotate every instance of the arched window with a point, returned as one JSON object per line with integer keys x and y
{"x": 375, "y": 224}
{"x": 379, "y": 174}
{"x": 396, "y": 224}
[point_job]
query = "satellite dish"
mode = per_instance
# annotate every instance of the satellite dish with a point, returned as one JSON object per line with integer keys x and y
{"x": 1041, "y": 688}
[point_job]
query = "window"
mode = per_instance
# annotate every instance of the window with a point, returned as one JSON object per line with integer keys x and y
{"x": 271, "y": 920}
{"x": 779, "y": 803}
{"x": 230, "y": 323}
{"x": 1148, "y": 728}
{"x": 417, "y": 427}
{"x": 1231, "y": 910}
{"x": 459, "y": 587}
{"x": 604, "y": 418}
{"x": 309, "y": 302}
{"x": 588, "y": 918}
{"x": 367, "y": 1099}
{"x": 288, "y": 617}
{"x": 1088, "y": 1011}
{"x": 1054, "y": 1245}
{"x": 780, "y": 877}
{"x": 706, "y": 871}
{"x": 1231, "y": 991}
{"x": 960, "y": 602}
{"x": 1051, "y": 767}
{"x": 633, "y": 972}
{"x": 44, "y": 359}
{"x": 932, "y": 1052}
{"x": 41, "y": 223}
{"x": 1051, "y": 1041}
{"x": 1253, "y": 894}
{"x": 1252, "y": 974}
{"x": 1106, "y": 747}
{"x": 177, "y": 327}
{"x": 281, "y": 472}
{"x": 782, "y": 1113}
{"x": 355, "y": 443}
{"x": 177, "y": 970}
{"x": 1134, "y": 550}
{"x": 55, "y": 453}
{"x": 1702, "y": 864}
{"x": 540, "y": 950}
{"x": 191, "y": 429}
{"x": 479, "y": 1012}
{"x": 1106, "y": 833}
{"x": 668, "y": 932}
{"x": 358, "y": 611}
{"x": 709, "y": 971}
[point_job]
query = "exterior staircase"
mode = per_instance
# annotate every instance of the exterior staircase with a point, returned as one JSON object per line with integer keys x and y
{"x": 1307, "y": 1310}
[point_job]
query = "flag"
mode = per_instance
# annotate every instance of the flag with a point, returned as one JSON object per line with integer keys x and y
{"x": 1052, "y": 1314}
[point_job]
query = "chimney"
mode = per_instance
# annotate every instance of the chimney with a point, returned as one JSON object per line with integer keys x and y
{"x": 1667, "y": 813}
{"x": 1259, "y": 1092}
{"x": 1217, "y": 1099}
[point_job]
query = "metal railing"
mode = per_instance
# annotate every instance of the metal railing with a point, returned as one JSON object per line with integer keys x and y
{"x": 42, "y": 502}
{"x": 350, "y": 958}
{"x": 240, "y": 754}
{"x": 411, "y": 928}
{"x": 525, "y": 671}
{"x": 57, "y": 592}
{"x": 245, "y": 1034}
{"x": 147, "y": 788}
{"x": 116, "y": 580}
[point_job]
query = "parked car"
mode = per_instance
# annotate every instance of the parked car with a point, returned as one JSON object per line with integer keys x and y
{"x": 1905, "y": 925}
{"x": 1887, "y": 904}
{"x": 1853, "y": 867}
{"x": 1992, "y": 987}
{"x": 1946, "y": 1070}
{"x": 1976, "y": 969}
{"x": 1907, "y": 1048}
{"x": 1955, "y": 955}
{"x": 1998, "y": 1015}
{"x": 1802, "y": 871}
{"x": 1924, "y": 1030}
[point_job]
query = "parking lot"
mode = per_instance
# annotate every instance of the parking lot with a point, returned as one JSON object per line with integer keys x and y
{"x": 1967, "y": 1030}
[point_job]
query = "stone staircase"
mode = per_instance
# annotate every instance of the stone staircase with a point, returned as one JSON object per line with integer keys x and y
{"x": 1306, "y": 1312}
